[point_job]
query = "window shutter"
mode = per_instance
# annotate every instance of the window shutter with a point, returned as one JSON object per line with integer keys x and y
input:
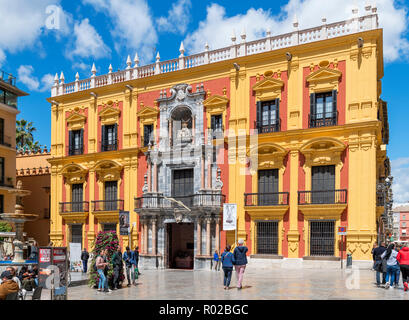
{"x": 116, "y": 135}
{"x": 258, "y": 115}
{"x": 103, "y": 138}
{"x": 334, "y": 101}
{"x": 70, "y": 142}
{"x": 213, "y": 123}
{"x": 82, "y": 140}
{"x": 277, "y": 111}
{"x": 313, "y": 108}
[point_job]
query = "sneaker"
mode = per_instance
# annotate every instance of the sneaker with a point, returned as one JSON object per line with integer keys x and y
{"x": 387, "y": 285}
{"x": 396, "y": 286}
{"x": 405, "y": 285}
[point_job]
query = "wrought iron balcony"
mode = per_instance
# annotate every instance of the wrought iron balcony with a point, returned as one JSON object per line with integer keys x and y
{"x": 109, "y": 145}
{"x": 322, "y": 197}
{"x": 275, "y": 126}
{"x": 107, "y": 205}
{"x": 8, "y": 78}
{"x": 5, "y": 141}
{"x": 75, "y": 150}
{"x": 327, "y": 119}
{"x": 158, "y": 201}
{"x": 71, "y": 207}
{"x": 266, "y": 199}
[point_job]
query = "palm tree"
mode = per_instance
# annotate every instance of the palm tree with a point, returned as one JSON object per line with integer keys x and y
{"x": 24, "y": 136}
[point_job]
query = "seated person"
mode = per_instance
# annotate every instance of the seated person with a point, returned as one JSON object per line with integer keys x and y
{"x": 15, "y": 278}
{"x": 8, "y": 285}
{"x": 30, "y": 279}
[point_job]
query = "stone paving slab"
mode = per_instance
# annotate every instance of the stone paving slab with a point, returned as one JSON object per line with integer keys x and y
{"x": 280, "y": 284}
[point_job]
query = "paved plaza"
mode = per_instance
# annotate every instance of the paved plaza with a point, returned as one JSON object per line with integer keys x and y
{"x": 277, "y": 284}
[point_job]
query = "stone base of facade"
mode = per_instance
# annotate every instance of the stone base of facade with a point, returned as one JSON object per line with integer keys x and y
{"x": 151, "y": 262}
{"x": 203, "y": 263}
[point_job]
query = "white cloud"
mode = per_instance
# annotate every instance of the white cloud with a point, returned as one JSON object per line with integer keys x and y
{"x": 2, "y": 57}
{"x": 81, "y": 66}
{"x": 87, "y": 43}
{"x": 400, "y": 187}
{"x": 132, "y": 26}
{"x": 217, "y": 28}
{"x": 178, "y": 18}
{"x": 25, "y": 76}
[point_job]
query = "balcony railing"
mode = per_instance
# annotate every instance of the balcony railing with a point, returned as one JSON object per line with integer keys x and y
{"x": 8, "y": 78}
{"x": 266, "y": 199}
{"x": 157, "y": 201}
{"x": 71, "y": 207}
{"x": 107, "y": 205}
{"x": 75, "y": 150}
{"x": 322, "y": 197}
{"x": 5, "y": 141}
{"x": 268, "y": 128}
{"x": 327, "y": 119}
{"x": 109, "y": 145}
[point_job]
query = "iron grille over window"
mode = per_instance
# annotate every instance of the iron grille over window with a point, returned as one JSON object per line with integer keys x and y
{"x": 267, "y": 237}
{"x": 148, "y": 134}
{"x": 217, "y": 126}
{"x": 322, "y": 238}
{"x": 323, "y": 109}
{"x": 268, "y": 116}
{"x": 109, "y": 138}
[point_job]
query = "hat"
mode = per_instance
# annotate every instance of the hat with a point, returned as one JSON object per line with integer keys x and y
{"x": 7, "y": 275}
{"x": 241, "y": 241}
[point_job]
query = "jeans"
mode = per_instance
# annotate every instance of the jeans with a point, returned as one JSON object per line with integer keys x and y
{"x": 227, "y": 275}
{"x": 84, "y": 266}
{"x": 404, "y": 268}
{"x": 239, "y": 274}
{"x": 378, "y": 277}
{"x": 130, "y": 274}
{"x": 117, "y": 274}
{"x": 392, "y": 273}
{"x": 216, "y": 265}
{"x": 102, "y": 279}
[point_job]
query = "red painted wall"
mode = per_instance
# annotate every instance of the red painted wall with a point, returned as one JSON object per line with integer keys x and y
{"x": 286, "y": 217}
{"x": 301, "y": 186}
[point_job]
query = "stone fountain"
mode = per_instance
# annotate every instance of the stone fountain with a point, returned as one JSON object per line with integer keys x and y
{"x": 18, "y": 218}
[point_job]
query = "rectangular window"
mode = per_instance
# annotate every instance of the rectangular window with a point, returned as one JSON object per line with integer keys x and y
{"x": 109, "y": 138}
{"x": 77, "y": 197}
{"x": 76, "y": 233}
{"x": 1, "y": 203}
{"x": 1, "y": 131}
{"x": 268, "y": 116}
{"x": 147, "y": 134}
{"x": 404, "y": 224}
{"x": 76, "y": 138}
{"x": 109, "y": 227}
{"x": 267, "y": 187}
{"x": 322, "y": 238}
{"x": 183, "y": 185}
{"x": 217, "y": 125}
{"x": 111, "y": 195}
{"x": 267, "y": 237}
{"x": 2, "y": 171}
{"x": 323, "y": 111}
{"x": 10, "y": 99}
{"x": 323, "y": 184}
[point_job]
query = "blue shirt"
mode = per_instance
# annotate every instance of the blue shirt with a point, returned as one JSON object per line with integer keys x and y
{"x": 216, "y": 257}
{"x": 227, "y": 259}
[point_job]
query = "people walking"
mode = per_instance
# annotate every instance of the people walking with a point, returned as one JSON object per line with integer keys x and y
{"x": 392, "y": 265}
{"x": 240, "y": 259}
{"x": 375, "y": 245}
{"x": 101, "y": 264}
{"x": 118, "y": 265}
{"x": 129, "y": 258}
{"x": 403, "y": 259}
{"x": 84, "y": 258}
{"x": 34, "y": 252}
{"x": 227, "y": 259}
{"x": 216, "y": 260}
{"x": 136, "y": 256}
{"x": 379, "y": 266}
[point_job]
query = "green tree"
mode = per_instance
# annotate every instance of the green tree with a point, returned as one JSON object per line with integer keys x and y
{"x": 24, "y": 136}
{"x": 5, "y": 227}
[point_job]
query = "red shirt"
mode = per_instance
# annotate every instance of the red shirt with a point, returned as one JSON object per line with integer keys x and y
{"x": 403, "y": 256}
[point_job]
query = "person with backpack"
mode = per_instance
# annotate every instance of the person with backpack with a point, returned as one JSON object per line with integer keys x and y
{"x": 118, "y": 265}
{"x": 392, "y": 268}
{"x": 129, "y": 259}
{"x": 84, "y": 259}
{"x": 101, "y": 265}
{"x": 403, "y": 259}
{"x": 240, "y": 259}
{"x": 227, "y": 259}
{"x": 377, "y": 253}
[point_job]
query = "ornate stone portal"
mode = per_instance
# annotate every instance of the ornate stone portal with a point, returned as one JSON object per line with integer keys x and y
{"x": 183, "y": 145}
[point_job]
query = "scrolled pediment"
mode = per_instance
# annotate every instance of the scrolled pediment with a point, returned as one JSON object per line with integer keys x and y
{"x": 216, "y": 102}
{"x": 108, "y": 170}
{"x": 268, "y": 89}
{"x": 76, "y": 121}
{"x": 147, "y": 114}
{"x": 322, "y": 151}
{"x": 74, "y": 173}
{"x": 324, "y": 79}
{"x": 109, "y": 115}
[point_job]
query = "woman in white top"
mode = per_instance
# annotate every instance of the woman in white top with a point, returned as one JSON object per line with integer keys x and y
{"x": 392, "y": 269}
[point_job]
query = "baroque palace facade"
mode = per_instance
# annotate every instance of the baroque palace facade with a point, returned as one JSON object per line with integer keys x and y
{"x": 291, "y": 128}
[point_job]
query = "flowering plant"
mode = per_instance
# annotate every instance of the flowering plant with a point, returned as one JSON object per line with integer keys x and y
{"x": 105, "y": 240}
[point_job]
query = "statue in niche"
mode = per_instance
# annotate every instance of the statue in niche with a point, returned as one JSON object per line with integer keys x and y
{"x": 184, "y": 135}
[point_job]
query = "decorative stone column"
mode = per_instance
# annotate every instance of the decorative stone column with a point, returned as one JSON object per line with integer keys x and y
{"x": 218, "y": 235}
{"x": 154, "y": 222}
{"x": 149, "y": 176}
{"x": 209, "y": 171}
{"x": 170, "y": 132}
{"x": 193, "y": 129}
{"x": 199, "y": 237}
{"x": 203, "y": 169}
{"x": 208, "y": 237}
{"x": 145, "y": 236}
{"x": 155, "y": 177}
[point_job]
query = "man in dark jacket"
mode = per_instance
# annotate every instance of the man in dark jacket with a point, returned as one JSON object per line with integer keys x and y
{"x": 129, "y": 259}
{"x": 84, "y": 258}
{"x": 118, "y": 265}
{"x": 136, "y": 256}
{"x": 240, "y": 259}
{"x": 377, "y": 253}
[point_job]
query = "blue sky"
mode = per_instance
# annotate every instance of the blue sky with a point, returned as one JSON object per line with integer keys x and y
{"x": 107, "y": 31}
